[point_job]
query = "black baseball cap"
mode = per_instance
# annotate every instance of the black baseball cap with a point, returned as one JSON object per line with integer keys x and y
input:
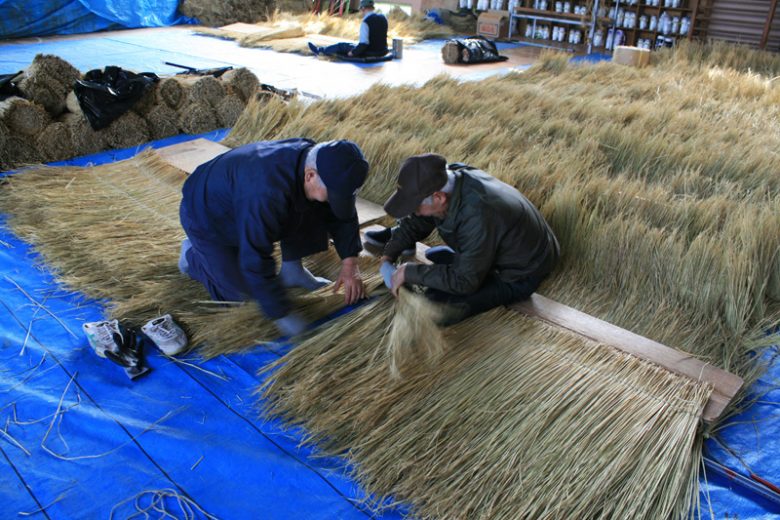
{"x": 343, "y": 170}
{"x": 419, "y": 177}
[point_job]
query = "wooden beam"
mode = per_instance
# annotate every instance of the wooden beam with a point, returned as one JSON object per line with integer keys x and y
{"x": 768, "y": 25}
{"x": 725, "y": 384}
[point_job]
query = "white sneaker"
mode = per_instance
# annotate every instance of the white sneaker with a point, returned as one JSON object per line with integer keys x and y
{"x": 101, "y": 336}
{"x": 166, "y": 334}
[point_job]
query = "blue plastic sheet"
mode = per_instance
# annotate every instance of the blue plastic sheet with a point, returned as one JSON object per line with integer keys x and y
{"x": 80, "y": 438}
{"x": 22, "y": 18}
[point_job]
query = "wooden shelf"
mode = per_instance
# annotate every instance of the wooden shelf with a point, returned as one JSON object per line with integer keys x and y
{"x": 564, "y": 46}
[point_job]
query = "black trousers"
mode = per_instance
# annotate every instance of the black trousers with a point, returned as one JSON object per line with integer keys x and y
{"x": 493, "y": 292}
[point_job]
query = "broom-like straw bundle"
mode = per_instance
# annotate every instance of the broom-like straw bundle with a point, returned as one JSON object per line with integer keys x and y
{"x": 413, "y": 337}
{"x": 516, "y": 420}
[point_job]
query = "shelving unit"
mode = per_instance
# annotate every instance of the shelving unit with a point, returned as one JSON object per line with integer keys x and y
{"x": 526, "y": 16}
{"x": 526, "y": 19}
{"x": 685, "y": 13}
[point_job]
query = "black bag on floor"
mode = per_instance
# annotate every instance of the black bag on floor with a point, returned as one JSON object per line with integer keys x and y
{"x": 474, "y": 49}
{"x": 106, "y": 94}
{"x": 8, "y": 85}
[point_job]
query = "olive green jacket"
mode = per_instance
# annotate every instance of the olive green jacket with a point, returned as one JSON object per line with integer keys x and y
{"x": 491, "y": 226}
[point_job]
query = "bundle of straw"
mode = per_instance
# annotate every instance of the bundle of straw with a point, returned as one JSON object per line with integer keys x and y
{"x": 47, "y": 82}
{"x": 515, "y": 420}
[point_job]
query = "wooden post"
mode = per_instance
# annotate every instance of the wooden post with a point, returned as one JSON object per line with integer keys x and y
{"x": 768, "y": 25}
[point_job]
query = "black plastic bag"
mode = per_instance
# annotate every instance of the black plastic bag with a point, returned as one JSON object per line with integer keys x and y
{"x": 8, "y": 85}
{"x": 106, "y": 94}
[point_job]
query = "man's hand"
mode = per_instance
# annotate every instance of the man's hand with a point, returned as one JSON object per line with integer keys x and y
{"x": 399, "y": 278}
{"x": 349, "y": 53}
{"x": 349, "y": 277}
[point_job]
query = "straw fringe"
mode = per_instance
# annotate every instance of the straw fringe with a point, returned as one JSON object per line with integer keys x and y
{"x": 576, "y": 429}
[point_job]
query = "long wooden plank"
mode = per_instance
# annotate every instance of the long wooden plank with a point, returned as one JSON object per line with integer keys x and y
{"x": 725, "y": 384}
{"x": 189, "y": 155}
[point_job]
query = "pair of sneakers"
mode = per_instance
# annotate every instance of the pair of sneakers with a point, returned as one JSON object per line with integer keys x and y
{"x": 124, "y": 346}
{"x": 375, "y": 241}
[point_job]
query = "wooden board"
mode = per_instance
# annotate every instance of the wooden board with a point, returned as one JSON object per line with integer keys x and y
{"x": 725, "y": 384}
{"x": 191, "y": 154}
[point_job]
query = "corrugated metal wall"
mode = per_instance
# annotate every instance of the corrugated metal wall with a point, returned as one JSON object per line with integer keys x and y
{"x": 743, "y": 21}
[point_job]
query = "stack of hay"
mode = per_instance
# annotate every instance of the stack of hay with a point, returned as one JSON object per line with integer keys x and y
{"x": 47, "y": 123}
{"x": 226, "y": 12}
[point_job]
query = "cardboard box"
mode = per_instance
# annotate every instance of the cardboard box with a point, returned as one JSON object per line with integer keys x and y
{"x": 493, "y": 25}
{"x": 632, "y": 56}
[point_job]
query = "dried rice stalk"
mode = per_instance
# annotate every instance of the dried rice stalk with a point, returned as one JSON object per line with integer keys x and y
{"x": 204, "y": 89}
{"x": 127, "y": 130}
{"x": 229, "y": 110}
{"x": 197, "y": 118}
{"x": 658, "y": 182}
{"x": 162, "y": 121}
{"x": 48, "y": 80}
{"x": 240, "y": 82}
{"x": 113, "y": 232}
{"x": 4, "y": 132}
{"x": 84, "y": 138}
{"x": 22, "y": 116}
{"x": 414, "y": 339}
{"x": 171, "y": 92}
{"x": 280, "y": 33}
{"x": 516, "y": 417}
{"x": 19, "y": 151}
{"x": 224, "y": 12}
{"x": 55, "y": 143}
{"x": 148, "y": 101}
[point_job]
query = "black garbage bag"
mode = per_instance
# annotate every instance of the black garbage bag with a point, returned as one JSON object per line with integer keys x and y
{"x": 474, "y": 49}
{"x": 106, "y": 94}
{"x": 8, "y": 85}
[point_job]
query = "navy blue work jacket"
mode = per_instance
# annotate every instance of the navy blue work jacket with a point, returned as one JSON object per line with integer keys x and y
{"x": 251, "y": 197}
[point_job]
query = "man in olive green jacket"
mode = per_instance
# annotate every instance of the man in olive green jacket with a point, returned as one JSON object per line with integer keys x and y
{"x": 499, "y": 247}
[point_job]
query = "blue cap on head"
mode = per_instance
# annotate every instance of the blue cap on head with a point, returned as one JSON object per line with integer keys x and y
{"x": 343, "y": 170}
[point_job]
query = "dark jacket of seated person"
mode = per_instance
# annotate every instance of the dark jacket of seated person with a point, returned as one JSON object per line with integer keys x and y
{"x": 372, "y": 41}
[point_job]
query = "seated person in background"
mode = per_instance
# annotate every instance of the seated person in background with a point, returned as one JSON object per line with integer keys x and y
{"x": 499, "y": 247}
{"x": 373, "y": 37}
{"x": 238, "y": 205}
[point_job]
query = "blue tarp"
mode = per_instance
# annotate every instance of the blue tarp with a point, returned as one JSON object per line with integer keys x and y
{"x": 23, "y": 18}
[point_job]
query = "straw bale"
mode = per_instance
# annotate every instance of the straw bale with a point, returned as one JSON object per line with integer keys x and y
{"x": 55, "y": 142}
{"x": 22, "y": 116}
{"x": 148, "y": 101}
{"x": 20, "y": 151}
{"x": 206, "y": 89}
{"x": 225, "y": 12}
{"x": 72, "y": 103}
{"x": 84, "y": 138}
{"x": 240, "y": 82}
{"x": 47, "y": 81}
{"x": 276, "y": 33}
{"x": 162, "y": 121}
{"x": 414, "y": 340}
{"x": 229, "y": 110}
{"x": 127, "y": 130}
{"x": 4, "y": 133}
{"x": 196, "y": 118}
{"x": 171, "y": 92}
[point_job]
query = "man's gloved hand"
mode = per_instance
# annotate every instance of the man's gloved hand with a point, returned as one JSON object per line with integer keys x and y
{"x": 387, "y": 269}
{"x": 291, "y": 325}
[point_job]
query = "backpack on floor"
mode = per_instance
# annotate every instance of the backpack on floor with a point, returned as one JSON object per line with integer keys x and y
{"x": 474, "y": 49}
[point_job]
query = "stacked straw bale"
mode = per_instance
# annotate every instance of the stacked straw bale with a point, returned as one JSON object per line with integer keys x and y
{"x": 49, "y": 125}
{"x": 47, "y": 82}
{"x": 224, "y": 12}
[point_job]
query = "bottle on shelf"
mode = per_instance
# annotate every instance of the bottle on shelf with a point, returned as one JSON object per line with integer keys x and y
{"x": 598, "y": 38}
